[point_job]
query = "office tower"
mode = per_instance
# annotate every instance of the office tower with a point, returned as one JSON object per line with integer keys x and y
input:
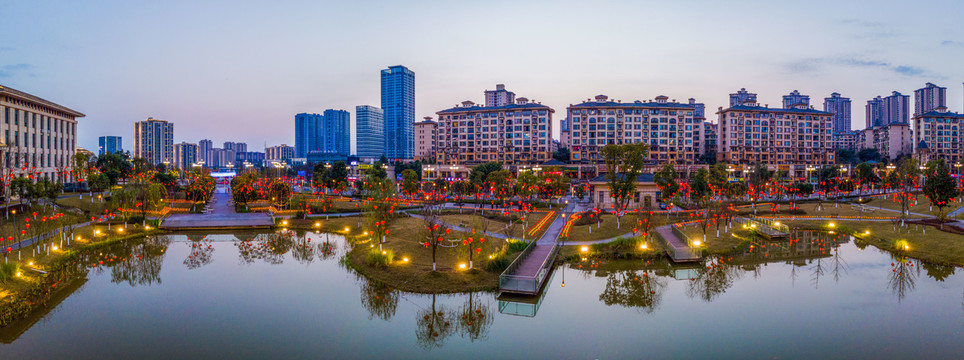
{"x": 795, "y": 99}
{"x": 204, "y": 148}
{"x": 840, "y": 108}
{"x": 928, "y": 98}
{"x": 670, "y": 129}
{"x": 741, "y": 97}
{"x": 185, "y": 155}
{"x": 336, "y": 132}
{"x": 307, "y": 133}
{"x": 425, "y": 134}
{"x": 513, "y": 134}
{"x": 369, "y": 131}
{"x": 398, "y": 106}
{"x": 38, "y": 135}
{"x": 154, "y": 141}
{"x": 499, "y": 97}
{"x": 109, "y": 145}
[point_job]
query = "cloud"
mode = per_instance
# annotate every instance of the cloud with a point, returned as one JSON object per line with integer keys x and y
{"x": 8, "y": 71}
{"x": 952, "y": 43}
{"x": 811, "y": 65}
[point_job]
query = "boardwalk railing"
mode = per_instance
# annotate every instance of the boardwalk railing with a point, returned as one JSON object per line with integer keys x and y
{"x": 679, "y": 253}
{"x": 766, "y": 227}
{"x": 527, "y": 284}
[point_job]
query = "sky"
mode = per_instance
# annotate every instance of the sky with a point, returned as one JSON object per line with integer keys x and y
{"x": 241, "y": 70}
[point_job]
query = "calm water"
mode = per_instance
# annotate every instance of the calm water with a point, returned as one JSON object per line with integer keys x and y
{"x": 216, "y": 296}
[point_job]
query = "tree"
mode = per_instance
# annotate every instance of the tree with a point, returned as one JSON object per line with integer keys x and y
{"x": 846, "y": 156}
{"x": 717, "y": 177}
{"x": 629, "y": 158}
{"x": 709, "y": 157}
{"x": 152, "y": 196}
{"x": 319, "y": 175}
{"x": 115, "y": 166}
{"x": 940, "y": 188}
{"x": 338, "y": 175}
{"x": 98, "y": 182}
{"x": 378, "y": 172}
{"x": 501, "y": 184}
{"x": 480, "y": 174}
{"x": 409, "y": 182}
{"x": 700, "y": 187}
{"x": 562, "y": 155}
{"x": 665, "y": 180}
{"x": 80, "y": 166}
{"x": 526, "y": 184}
{"x": 868, "y": 154}
{"x": 864, "y": 173}
{"x": 22, "y": 187}
{"x": 280, "y": 193}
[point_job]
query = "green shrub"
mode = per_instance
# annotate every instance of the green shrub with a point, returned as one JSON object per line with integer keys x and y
{"x": 516, "y": 245}
{"x": 9, "y": 271}
{"x": 498, "y": 263}
{"x": 380, "y": 258}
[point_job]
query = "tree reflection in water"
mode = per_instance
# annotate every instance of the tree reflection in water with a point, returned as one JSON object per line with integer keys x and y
{"x": 712, "y": 279}
{"x": 202, "y": 252}
{"x": 474, "y": 319}
{"x": 902, "y": 277}
{"x": 938, "y": 272}
{"x": 302, "y": 250}
{"x": 642, "y": 291}
{"x": 269, "y": 248}
{"x": 139, "y": 262}
{"x": 433, "y": 326}
{"x": 380, "y": 300}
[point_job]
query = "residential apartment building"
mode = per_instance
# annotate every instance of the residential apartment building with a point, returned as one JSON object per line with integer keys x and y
{"x": 238, "y": 147}
{"x": 248, "y": 159}
{"x": 425, "y": 134}
{"x": 795, "y": 99}
{"x": 109, "y": 145}
{"x": 499, "y": 97}
{"x": 845, "y": 140}
{"x": 929, "y": 98}
{"x": 840, "y": 107}
{"x": 398, "y": 106}
{"x": 154, "y": 141}
{"x": 369, "y": 131}
{"x": 892, "y": 109}
{"x": 710, "y": 139}
{"x": 565, "y": 135}
{"x": 38, "y": 135}
{"x": 513, "y": 134}
{"x": 788, "y": 138}
{"x": 891, "y": 141}
{"x": 670, "y": 129}
{"x": 221, "y": 158}
{"x": 307, "y": 133}
{"x": 280, "y": 153}
{"x": 185, "y": 155}
{"x": 203, "y": 148}
{"x": 940, "y": 130}
{"x": 741, "y": 97}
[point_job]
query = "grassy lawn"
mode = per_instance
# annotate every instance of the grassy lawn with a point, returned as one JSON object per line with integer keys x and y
{"x": 922, "y": 207}
{"x": 727, "y": 242}
{"x": 933, "y": 245}
{"x": 477, "y": 222}
{"x": 405, "y": 241}
{"x": 13, "y": 225}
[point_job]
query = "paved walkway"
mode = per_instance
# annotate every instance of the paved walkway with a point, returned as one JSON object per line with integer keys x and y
{"x": 220, "y": 215}
{"x": 532, "y": 264}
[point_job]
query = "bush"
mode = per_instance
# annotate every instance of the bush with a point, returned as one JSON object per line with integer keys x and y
{"x": 8, "y": 271}
{"x": 498, "y": 263}
{"x": 516, "y": 245}
{"x": 379, "y": 258}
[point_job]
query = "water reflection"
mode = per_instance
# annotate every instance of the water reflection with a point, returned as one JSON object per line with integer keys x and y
{"x": 712, "y": 280}
{"x": 433, "y": 325}
{"x": 134, "y": 263}
{"x": 380, "y": 300}
{"x": 269, "y": 248}
{"x": 902, "y": 277}
{"x": 202, "y": 252}
{"x": 475, "y": 318}
{"x": 633, "y": 288}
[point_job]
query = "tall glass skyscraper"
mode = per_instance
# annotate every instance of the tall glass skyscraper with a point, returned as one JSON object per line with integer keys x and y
{"x": 369, "y": 131}
{"x": 109, "y": 145}
{"x": 336, "y": 132}
{"x": 307, "y": 133}
{"x": 398, "y": 105}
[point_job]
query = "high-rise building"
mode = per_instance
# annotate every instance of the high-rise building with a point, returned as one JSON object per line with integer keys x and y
{"x": 742, "y": 96}
{"x": 788, "y": 139}
{"x": 398, "y": 105}
{"x": 892, "y": 109}
{"x": 670, "y": 129}
{"x": 425, "y": 133}
{"x": 280, "y": 153}
{"x": 499, "y": 97}
{"x": 38, "y": 135}
{"x": 369, "y": 131}
{"x": 204, "y": 147}
{"x": 840, "y": 107}
{"x": 185, "y": 155}
{"x": 154, "y": 141}
{"x": 109, "y": 145}
{"x": 928, "y": 98}
{"x": 891, "y": 141}
{"x": 247, "y": 160}
{"x": 565, "y": 133}
{"x": 307, "y": 133}
{"x": 513, "y": 134}
{"x": 940, "y": 132}
{"x": 238, "y": 147}
{"x": 795, "y": 99}
{"x": 336, "y": 132}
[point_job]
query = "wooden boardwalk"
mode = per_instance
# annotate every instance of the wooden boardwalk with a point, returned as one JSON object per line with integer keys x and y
{"x": 677, "y": 248}
{"x": 528, "y": 273}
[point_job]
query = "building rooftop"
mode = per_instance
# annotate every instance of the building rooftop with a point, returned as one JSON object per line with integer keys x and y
{"x": 24, "y": 96}
{"x": 527, "y": 106}
{"x": 635, "y": 104}
{"x": 941, "y": 114}
{"x": 643, "y": 178}
{"x": 763, "y": 108}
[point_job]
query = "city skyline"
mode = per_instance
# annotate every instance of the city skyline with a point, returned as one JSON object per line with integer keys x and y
{"x": 202, "y": 78}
